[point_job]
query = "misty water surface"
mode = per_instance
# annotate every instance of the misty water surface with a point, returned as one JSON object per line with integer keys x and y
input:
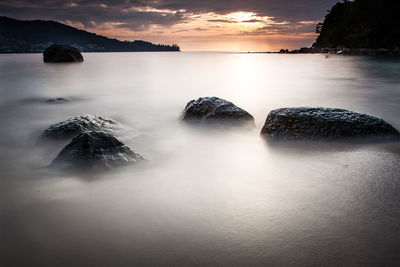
{"x": 205, "y": 197}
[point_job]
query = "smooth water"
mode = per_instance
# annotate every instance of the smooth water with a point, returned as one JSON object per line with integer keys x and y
{"x": 205, "y": 197}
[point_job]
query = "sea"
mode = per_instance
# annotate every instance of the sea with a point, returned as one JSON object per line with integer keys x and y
{"x": 206, "y": 196}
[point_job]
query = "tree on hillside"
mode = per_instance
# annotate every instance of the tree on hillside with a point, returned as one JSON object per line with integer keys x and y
{"x": 361, "y": 24}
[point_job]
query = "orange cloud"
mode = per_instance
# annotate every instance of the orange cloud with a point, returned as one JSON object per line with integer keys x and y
{"x": 235, "y": 31}
{"x": 194, "y": 25}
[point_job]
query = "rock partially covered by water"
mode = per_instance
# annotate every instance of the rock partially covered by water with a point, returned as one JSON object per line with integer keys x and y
{"x": 62, "y": 53}
{"x": 74, "y": 126}
{"x": 57, "y": 100}
{"x": 95, "y": 149}
{"x": 325, "y": 123}
{"x": 215, "y": 110}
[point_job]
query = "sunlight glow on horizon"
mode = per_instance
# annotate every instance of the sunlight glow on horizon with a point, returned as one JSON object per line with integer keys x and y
{"x": 235, "y": 31}
{"x": 257, "y": 25}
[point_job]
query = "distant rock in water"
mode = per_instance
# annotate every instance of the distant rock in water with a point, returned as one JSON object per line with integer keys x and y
{"x": 62, "y": 53}
{"x": 57, "y": 100}
{"x": 95, "y": 149}
{"x": 325, "y": 123}
{"x": 215, "y": 110}
{"x": 74, "y": 126}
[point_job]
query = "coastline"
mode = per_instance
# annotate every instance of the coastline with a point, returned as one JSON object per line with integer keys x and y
{"x": 341, "y": 50}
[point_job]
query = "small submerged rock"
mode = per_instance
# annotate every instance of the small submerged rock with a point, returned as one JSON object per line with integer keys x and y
{"x": 95, "y": 149}
{"x": 57, "y": 100}
{"x": 215, "y": 110}
{"x": 62, "y": 53}
{"x": 74, "y": 126}
{"x": 325, "y": 123}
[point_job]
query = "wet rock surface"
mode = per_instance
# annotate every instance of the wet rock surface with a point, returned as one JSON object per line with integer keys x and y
{"x": 215, "y": 110}
{"x": 325, "y": 123}
{"x": 95, "y": 149}
{"x": 74, "y": 126}
{"x": 62, "y": 53}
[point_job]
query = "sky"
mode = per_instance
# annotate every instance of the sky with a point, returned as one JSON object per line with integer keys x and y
{"x": 207, "y": 25}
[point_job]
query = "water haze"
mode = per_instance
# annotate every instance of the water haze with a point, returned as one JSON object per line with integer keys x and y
{"x": 204, "y": 197}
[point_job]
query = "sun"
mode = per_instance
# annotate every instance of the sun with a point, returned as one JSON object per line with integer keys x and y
{"x": 242, "y": 16}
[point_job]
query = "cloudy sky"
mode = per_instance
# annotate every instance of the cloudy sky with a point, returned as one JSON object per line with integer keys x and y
{"x": 224, "y": 25}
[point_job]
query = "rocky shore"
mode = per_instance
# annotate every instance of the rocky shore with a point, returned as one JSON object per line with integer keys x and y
{"x": 341, "y": 50}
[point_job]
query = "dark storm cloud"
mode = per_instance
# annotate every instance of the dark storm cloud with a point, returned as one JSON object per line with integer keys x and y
{"x": 139, "y": 14}
{"x": 88, "y": 12}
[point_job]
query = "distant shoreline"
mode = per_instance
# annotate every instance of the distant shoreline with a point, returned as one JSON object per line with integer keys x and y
{"x": 26, "y": 36}
{"x": 368, "y": 52}
{"x": 336, "y": 51}
{"x": 91, "y": 52}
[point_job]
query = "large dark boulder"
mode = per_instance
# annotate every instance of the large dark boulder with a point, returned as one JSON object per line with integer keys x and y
{"x": 95, "y": 149}
{"x": 74, "y": 126}
{"x": 325, "y": 123}
{"x": 62, "y": 53}
{"x": 215, "y": 110}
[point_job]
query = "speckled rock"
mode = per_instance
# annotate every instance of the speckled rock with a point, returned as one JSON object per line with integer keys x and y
{"x": 325, "y": 123}
{"x": 62, "y": 53}
{"x": 95, "y": 149}
{"x": 74, "y": 126}
{"x": 215, "y": 110}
